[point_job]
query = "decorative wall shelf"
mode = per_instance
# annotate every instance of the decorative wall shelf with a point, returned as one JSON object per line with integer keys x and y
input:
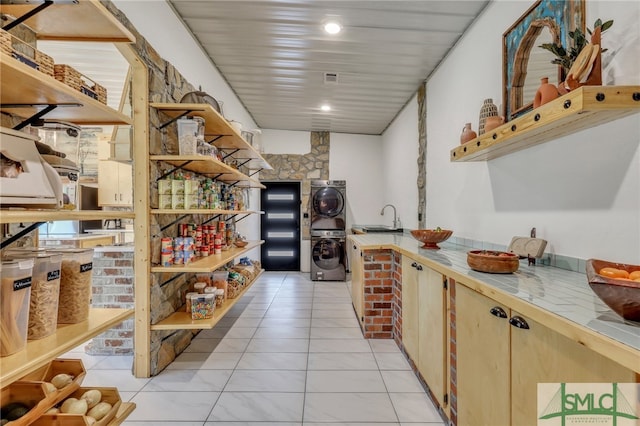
{"x": 67, "y": 336}
{"x": 217, "y": 128}
{"x": 18, "y": 216}
{"x": 209, "y": 263}
{"x": 209, "y": 166}
{"x": 84, "y": 20}
{"x": 183, "y": 321}
{"x": 586, "y": 107}
{"x": 33, "y": 90}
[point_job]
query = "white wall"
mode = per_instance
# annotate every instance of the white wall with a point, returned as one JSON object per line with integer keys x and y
{"x": 286, "y": 142}
{"x": 358, "y": 160}
{"x": 581, "y": 192}
{"x": 400, "y": 167}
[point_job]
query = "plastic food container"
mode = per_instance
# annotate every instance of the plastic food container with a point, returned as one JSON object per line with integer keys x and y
{"x": 15, "y": 291}
{"x": 199, "y": 287}
{"x": 188, "y": 298}
{"x": 75, "y": 285}
{"x": 202, "y": 306}
{"x": 45, "y": 291}
{"x": 220, "y": 281}
{"x": 190, "y": 130}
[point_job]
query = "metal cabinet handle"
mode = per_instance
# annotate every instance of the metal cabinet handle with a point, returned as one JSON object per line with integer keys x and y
{"x": 518, "y": 322}
{"x": 498, "y": 312}
{"x": 414, "y": 265}
{"x": 419, "y": 267}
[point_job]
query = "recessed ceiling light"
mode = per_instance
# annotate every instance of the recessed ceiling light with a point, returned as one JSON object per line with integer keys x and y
{"x": 325, "y": 107}
{"x": 332, "y": 27}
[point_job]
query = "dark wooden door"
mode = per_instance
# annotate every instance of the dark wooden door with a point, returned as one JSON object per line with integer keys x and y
{"x": 280, "y": 226}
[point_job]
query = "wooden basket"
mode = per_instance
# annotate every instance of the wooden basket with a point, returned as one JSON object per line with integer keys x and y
{"x": 74, "y": 79}
{"x": 25, "y": 53}
{"x": 109, "y": 395}
{"x": 32, "y": 395}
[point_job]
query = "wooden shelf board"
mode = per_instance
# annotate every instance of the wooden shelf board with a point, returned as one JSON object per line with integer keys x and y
{"x": 209, "y": 263}
{"x": 87, "y": 20}
{"x": 183, "y": 321}
{"x": 208, "y": 166}
{"x": 554, "y": 121}
{"x": 68, "y": 336}
{"x": 217, "y": 125}
{"x": 17, "y": 216}
{"x": 125, "y": 409}
{"x": 22, "y": 84}
{"x": 203, "y": 211}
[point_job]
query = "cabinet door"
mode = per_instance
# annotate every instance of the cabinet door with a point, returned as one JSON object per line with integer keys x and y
{"x": 541, "y": 355}
{"x": 125, "y": 184}
{"x": 482, "y": 353}
{"x": 108, "y": 186}
{"x": 431, "y": 331}
{"x": 410, "y": 320}
{"x": 357, "y": 281}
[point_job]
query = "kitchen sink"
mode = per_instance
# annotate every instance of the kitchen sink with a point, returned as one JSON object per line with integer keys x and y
{"x": 380, "y": 228}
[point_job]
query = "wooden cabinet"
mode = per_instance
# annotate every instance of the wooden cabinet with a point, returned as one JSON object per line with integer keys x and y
{"x": 357, "y": 280}
{"x": 424, "y": 324}
{"x": 115, "y": 180}
{"x": 502, "y": 356}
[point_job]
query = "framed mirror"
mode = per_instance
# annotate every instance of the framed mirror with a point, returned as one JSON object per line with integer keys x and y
{"x": 523, "y": 62}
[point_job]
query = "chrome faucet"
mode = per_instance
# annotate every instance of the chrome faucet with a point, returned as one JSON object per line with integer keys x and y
{"x": 396, "y": 222}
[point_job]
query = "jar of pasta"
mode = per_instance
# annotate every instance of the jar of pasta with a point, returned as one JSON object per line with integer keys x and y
{"x": 45, "y": 291}
{"x": 14, "y": 304}
{"x": 76, "y": 272}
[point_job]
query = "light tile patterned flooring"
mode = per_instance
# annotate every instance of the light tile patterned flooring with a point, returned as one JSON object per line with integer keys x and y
{"x": 288, "y": 353}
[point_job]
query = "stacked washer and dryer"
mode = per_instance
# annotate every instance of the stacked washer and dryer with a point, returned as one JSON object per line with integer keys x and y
{"x": 328, "y": 235}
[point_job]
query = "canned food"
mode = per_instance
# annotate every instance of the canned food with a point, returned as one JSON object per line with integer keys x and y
{"x": 189, "y": 243}
{"x": 178, "y": 244}
{"x": 166, "y": 259}
{"x": 189, "y": 256}
{"x": 166, "y": 245}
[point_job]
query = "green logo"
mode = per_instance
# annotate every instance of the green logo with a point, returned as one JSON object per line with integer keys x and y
{"x": 587, "y": 403}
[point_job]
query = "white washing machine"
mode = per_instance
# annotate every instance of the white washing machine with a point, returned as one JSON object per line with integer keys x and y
{"x": 328, "y": 255}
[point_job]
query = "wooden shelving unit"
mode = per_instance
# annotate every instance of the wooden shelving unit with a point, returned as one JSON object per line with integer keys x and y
{"x": 204, "y": 211}
{"x": 183, "y": 321}
{"x": 68, "y": 336}
{"x": 586, "y": 107}
{"x": 217, "y": 128}
{"x": 23, "y": 85}
{"x": 209, "y": 166}
{"x": 84, "y": 20}
{"x": 209, "y": 263}
{"x": 17, "y": 216}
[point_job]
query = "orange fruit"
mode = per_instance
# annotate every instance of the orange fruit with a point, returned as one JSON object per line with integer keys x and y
{"x": 613, "y": 273}
{"x": 635, "y": 275}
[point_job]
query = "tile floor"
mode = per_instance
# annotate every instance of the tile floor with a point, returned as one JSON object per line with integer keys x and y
{"x": 289, "y": 353}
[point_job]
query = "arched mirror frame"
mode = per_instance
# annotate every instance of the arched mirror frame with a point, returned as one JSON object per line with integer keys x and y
{"x": 560, "y": 17}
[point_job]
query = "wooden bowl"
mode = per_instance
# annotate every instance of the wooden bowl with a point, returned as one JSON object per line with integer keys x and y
{"x": 240, "y": 243}
{"x": 621, "y": 295}
{"x": 430, "y": 237}
{"x": 494, "y": 262}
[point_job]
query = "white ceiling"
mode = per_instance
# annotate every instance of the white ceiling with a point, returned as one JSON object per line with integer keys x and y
{"x": 274, "y": 54}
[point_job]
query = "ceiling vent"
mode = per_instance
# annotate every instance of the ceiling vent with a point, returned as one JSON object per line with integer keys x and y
{"x": 330, "y": 78}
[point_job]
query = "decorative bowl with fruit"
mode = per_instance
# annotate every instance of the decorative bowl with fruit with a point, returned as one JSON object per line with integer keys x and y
{"x": 495, "y": 262}
{"x": 617, "y": 285}
{"x": 431, "y": 237}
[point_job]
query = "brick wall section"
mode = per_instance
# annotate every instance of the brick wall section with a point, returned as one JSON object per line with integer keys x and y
{"x": 113, "y": 288}
{"x": 397, "y": 298}
{"x": 453, "y": 374}
{"x": 378, "y": 294}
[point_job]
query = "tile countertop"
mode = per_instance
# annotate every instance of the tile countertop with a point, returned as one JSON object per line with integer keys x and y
{"x": 561, "y": 298}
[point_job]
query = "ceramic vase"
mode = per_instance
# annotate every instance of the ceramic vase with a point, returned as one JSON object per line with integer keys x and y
{"x": 467, "y": 134}
{"x": 489, "y": 109}
{"x": 493, "y": 122}
{"x": 546, "y": 92}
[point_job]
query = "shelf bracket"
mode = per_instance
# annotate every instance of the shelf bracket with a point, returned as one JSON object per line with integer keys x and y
{"x": 173, "y": 170}
{"x": 20, "y": 234}
{"x": 176, "y": 118}
{"x": 174, "y": 222}
{"x": 35, "y": 118}
{"x": 243, "y": 217}
{"x": 256, "y": 172}
{"x": 230, "y": 154}
{"x": 175, "y": 277}
{"x": 243, "y": 163}
{"x": 215, "y": 139}
{"x": 234, "y": 183}
{"x": 211, "y": 219}
{"x": 27, "y": 15}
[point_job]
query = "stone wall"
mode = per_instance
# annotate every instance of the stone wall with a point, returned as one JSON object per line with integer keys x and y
{"x": 303, "y": 168}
